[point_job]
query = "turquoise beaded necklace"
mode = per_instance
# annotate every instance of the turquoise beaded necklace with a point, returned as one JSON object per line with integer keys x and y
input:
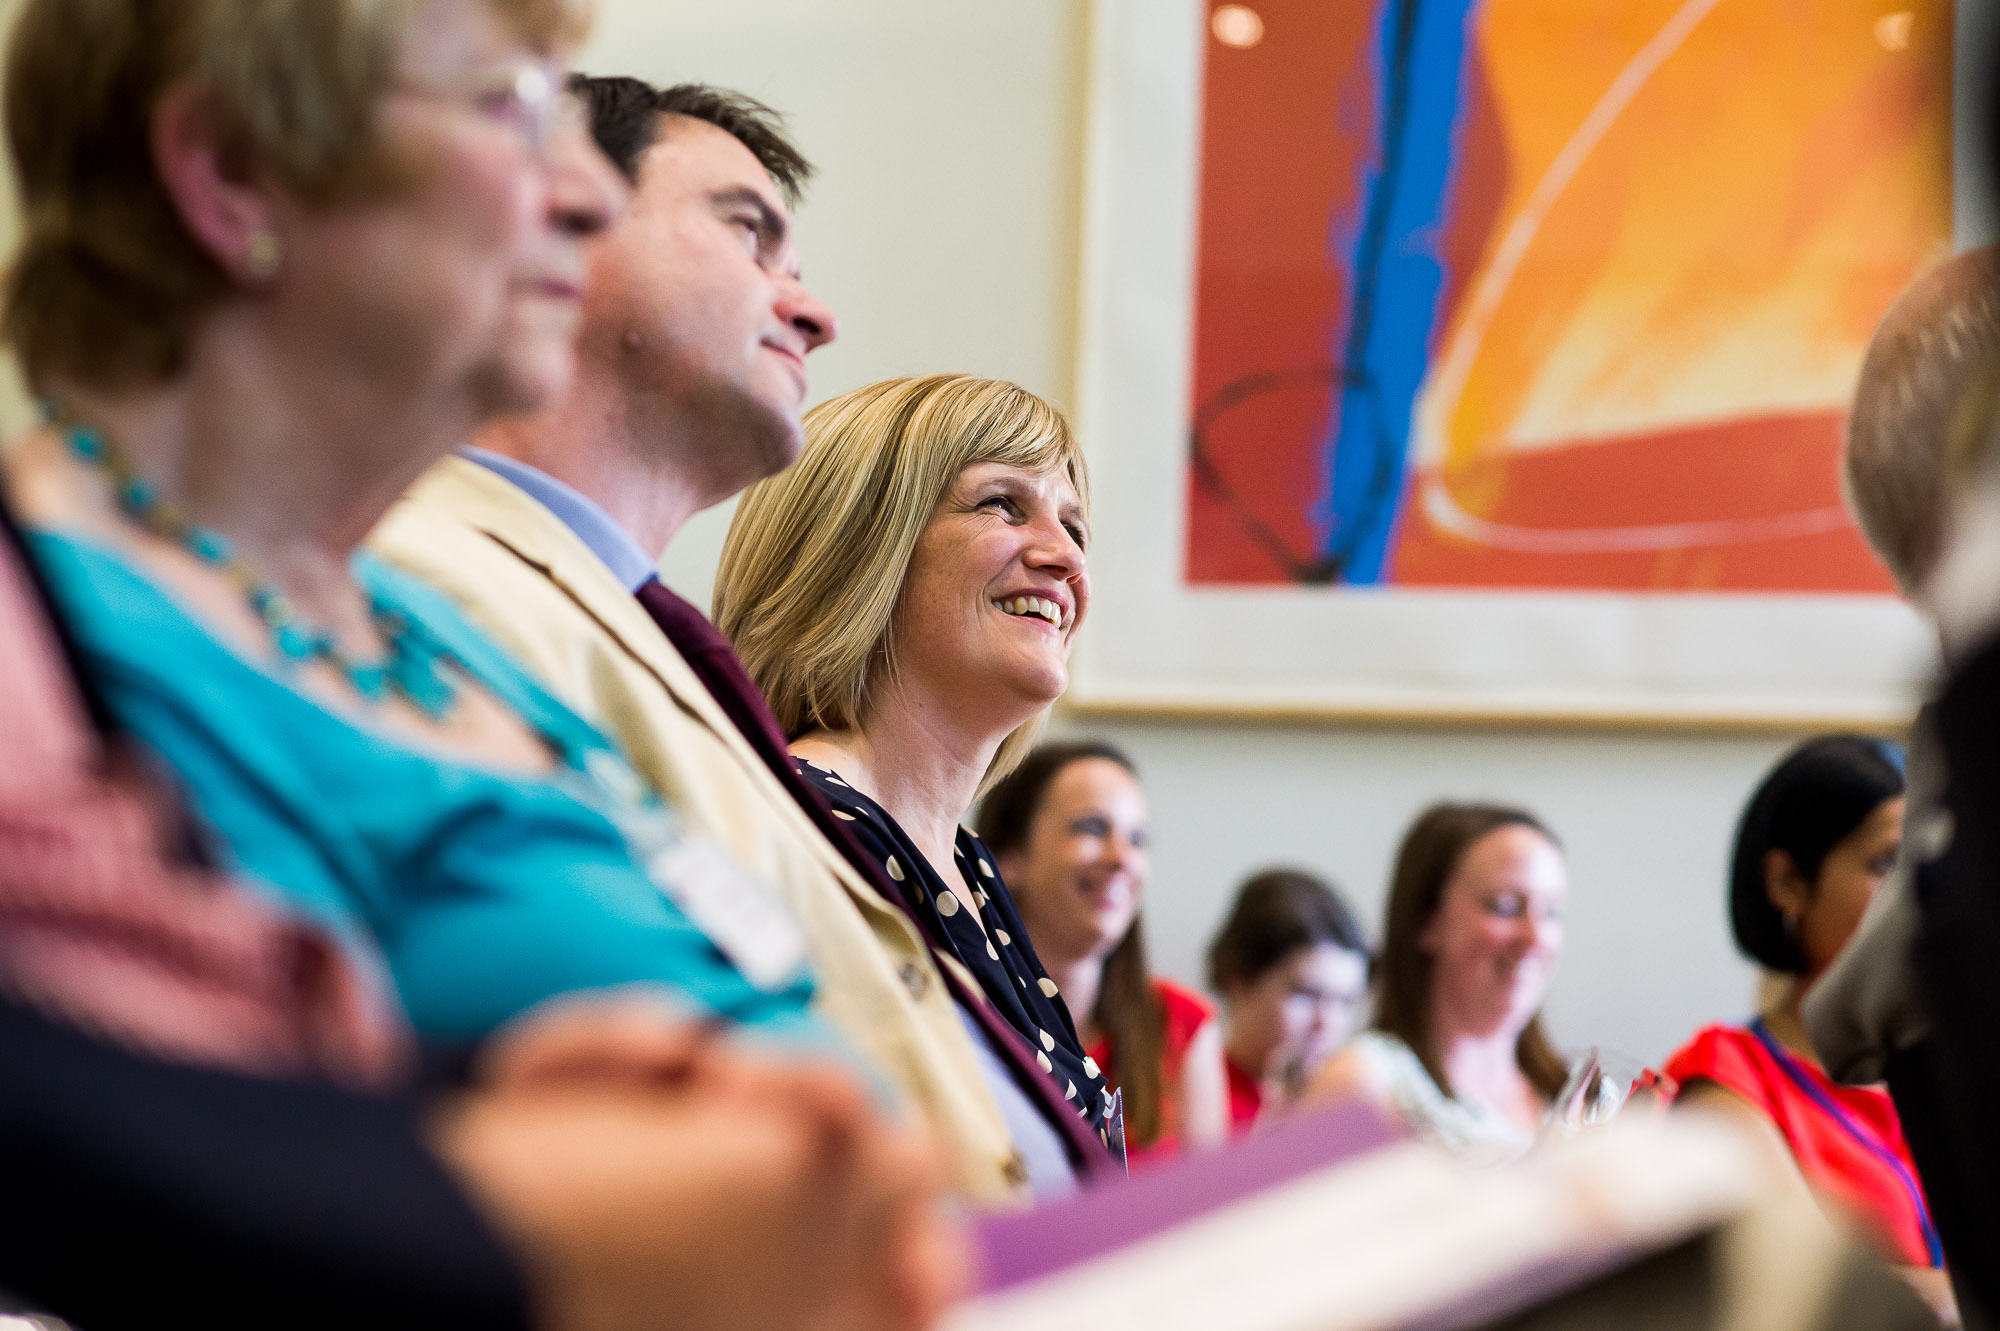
{"x": 413, "y": 666}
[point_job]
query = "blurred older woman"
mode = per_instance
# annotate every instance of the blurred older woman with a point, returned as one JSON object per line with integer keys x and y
{"x": 906, "y": 595}
{"x": 1457, "y": 1051}
{"x": 318, "y": 245}
{"x": 281, "y": 255}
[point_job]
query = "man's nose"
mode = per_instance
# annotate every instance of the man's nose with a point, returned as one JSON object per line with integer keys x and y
{"x": 586, "y": 193}
{"x": 814, "y": 321}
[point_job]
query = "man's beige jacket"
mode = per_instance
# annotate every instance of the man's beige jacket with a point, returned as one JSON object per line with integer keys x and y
{"x": 522, "y": 576}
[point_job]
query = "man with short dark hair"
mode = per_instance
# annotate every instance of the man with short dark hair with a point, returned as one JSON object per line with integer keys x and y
{"x": 689, "y": 386}
{"x": 696, "y": 324}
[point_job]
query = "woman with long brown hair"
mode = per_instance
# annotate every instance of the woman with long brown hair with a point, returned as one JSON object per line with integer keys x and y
{"x": 1457, "y": 1050}
{"x": 1069, "y": 833}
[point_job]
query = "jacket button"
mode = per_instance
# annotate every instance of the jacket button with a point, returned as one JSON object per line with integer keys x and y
{"x": 1015, "y": 1171}
{"x": 914, "y": 979}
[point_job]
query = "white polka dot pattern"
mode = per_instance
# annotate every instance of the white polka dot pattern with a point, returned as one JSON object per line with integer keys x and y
{"x": 989, "y": 940}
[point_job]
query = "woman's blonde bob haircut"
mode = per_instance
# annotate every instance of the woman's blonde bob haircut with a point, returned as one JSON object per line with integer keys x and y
{"x": 107, "y": 285}
{"x": 815, "y": 560}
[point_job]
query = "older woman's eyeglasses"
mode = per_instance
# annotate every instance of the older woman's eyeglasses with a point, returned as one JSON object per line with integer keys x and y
{"x": 531, "y": 97}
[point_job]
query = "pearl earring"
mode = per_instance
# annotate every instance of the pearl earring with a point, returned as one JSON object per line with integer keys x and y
{"x": 262, "y": 255}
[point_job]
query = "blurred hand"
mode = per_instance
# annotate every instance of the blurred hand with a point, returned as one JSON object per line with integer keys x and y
{"x": 638, "y": 1038}
{"x": 651, "y": 1174}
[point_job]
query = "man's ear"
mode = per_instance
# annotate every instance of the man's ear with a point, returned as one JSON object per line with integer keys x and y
{"x": 1785, "y": 887}
{"x": 224, "y": 207}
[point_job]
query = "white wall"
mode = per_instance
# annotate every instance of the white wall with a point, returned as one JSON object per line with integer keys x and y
{"x": 944, "y": 231}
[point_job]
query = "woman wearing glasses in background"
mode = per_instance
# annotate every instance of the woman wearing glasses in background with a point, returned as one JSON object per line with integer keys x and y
{"x": 1291, "y": 966}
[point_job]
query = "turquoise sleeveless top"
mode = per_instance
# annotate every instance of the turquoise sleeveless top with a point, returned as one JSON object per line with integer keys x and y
{"x": 484, "y": 892}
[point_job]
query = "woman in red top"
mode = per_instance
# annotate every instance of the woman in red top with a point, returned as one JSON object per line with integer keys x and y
{"x": 1815, "y": 842}
{"x": 1068, "y": 831}
{"x": 1292, "y": 967}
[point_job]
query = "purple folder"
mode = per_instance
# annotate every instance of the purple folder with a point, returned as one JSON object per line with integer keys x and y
{"x": 1014, "y": 1249}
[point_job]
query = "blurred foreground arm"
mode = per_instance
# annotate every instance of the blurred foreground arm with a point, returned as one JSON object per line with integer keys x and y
{"x": 141, "y": 1192}
{"x": 650, "y": 1173}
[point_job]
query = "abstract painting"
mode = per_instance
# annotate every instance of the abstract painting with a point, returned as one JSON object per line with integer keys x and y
{"x": 1560, "y": 294}
{"x": 1487, "y": 359}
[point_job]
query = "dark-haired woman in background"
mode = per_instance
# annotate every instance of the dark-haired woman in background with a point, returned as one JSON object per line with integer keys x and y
{"x": 1817, "y": 839}
{"x": 1068, "y": 830}
{"x": 1291, "y": 966}
{"x": 1457, "y": 1051}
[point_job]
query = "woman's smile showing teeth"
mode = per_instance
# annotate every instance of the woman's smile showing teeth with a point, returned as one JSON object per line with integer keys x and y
{"x": 1035, "y": 607}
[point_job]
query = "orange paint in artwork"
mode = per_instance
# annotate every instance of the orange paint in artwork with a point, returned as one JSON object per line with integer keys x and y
{"x": 1726, "y": 245}
{"x": 1286, "y": 125}
{"x": 1741, "y": 471}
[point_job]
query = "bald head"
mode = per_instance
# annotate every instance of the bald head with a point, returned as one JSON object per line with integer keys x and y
{"x": 1933, "y": 347}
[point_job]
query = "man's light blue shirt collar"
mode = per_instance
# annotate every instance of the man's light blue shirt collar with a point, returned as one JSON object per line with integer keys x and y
{"x": 581, "y": 514}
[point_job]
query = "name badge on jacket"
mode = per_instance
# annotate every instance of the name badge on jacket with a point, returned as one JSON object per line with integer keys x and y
{"x": 726, "y": 901}
{"x": 734, "y": 908}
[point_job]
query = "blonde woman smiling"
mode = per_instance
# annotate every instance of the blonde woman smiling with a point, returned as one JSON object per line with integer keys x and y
{"x": 906, "y": 596}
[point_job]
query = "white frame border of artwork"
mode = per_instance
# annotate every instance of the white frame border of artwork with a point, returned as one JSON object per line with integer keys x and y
{"x": 1154, "y": 646}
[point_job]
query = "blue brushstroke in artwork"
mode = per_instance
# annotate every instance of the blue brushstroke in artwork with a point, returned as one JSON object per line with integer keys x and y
{"x": 1397, "y": 274}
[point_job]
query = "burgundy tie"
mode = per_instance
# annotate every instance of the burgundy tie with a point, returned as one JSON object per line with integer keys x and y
{"x": 715, "y": 663}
